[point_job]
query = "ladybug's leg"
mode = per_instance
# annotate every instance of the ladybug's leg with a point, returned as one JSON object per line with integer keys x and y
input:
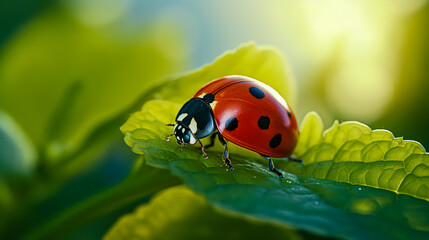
{"x": 292, "y": 159}
{"x": 202, "y": 149}
{"x": 212, "y": 140}
{"x": 271, "y": 166}
{"x": 225, "y": 156}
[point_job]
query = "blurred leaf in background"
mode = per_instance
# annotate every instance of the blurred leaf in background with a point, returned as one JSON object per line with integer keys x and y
{"x": 60, "y": 78}
{"x": 14, "y": 14}
{"x": 370, "y": 63}
{"x": 17, "y": 159}
{"x": 65, "y": 88}
{"x": 190, "y": 217}
{"x": 17, "y": 154}
{"x": 376, "y": 71}
{"x": 407, "y": 112}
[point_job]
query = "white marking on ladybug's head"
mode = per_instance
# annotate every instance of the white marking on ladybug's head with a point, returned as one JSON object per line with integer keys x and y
{"x": 181, "y": 117}
{"x": 213, "y": 104}
{"x": 193, "y": 126}
{"x": 184, "y": 134}
{"x": 202, "y": 95}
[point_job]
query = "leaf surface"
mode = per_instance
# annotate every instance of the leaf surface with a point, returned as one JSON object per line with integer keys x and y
{"x": 351, "y": 152}
{"x": 328, "y": 207}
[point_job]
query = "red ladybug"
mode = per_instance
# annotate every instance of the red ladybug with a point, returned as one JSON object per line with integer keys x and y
{"x": 244, "y": 111}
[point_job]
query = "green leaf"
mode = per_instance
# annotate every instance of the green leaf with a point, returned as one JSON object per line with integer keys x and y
{"x": 320, "y": 206}
{"x": 60, "y": 79}
{"x": 17, "y": 153}
{"x": 260, "y": 62}
{"x": 179, "y": 213}
{"x": 351, "y": 152}
{"x": 310, "y": 133}
{"x": 137, "y": 186}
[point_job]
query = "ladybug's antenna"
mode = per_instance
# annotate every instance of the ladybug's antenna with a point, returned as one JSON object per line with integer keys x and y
{"x": 170, "y": 125}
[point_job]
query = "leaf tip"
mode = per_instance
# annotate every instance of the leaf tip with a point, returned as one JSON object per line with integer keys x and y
{"x": 311, "y": 118}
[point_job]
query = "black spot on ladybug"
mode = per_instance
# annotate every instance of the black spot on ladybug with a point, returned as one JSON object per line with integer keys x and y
{"x": 209, "y": 98}
{"x": 256, "y": 92}
{"x": 276, "y": 140}
{"x": 264, "y": 122}
{"x": 231, "y": 124}
{"x": 289, "y": 114}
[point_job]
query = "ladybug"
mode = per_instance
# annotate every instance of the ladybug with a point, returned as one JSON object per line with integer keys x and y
{"x": 243, "y": 111}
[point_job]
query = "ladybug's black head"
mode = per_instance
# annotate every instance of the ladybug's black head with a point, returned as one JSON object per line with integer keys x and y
{"x": 183, "y": 134}
{"x": 193, "y": 122}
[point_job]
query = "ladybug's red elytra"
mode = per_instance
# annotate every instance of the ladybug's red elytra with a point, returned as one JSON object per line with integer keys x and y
{"x": 243, "y": 111}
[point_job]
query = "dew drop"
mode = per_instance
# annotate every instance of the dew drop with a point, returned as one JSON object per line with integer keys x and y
{"x": 316, "y": 203}
{"x": 227, "y": 169}
{"x": 359, "y": 188}
{"x": 254, "y": 176}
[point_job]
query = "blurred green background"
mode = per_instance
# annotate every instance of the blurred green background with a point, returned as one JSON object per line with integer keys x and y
{"x": 72, "y": 71}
